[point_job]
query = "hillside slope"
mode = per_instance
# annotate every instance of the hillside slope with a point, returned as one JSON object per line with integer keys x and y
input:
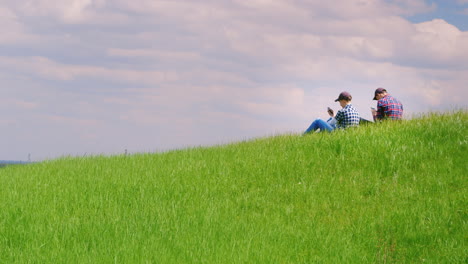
{"x": 386, "y": 193}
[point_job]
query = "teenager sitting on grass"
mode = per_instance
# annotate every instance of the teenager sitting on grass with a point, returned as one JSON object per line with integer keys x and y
{"x": 388, "y": 107}
{"x": 346, "y": 117}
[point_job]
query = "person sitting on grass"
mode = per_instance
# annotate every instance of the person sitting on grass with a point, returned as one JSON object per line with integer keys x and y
{"x": 388, "y": 107}
{"x": 348, "y": 116}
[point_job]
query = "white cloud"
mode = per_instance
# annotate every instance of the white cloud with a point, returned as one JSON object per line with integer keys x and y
{"x": 437, "y": 43}
{"x": 12, "y": 30}
{"x": 175, "y": 73}
{"x": 154, "y": 54}
{"x": 51, "y": 70}
{"x": 71, "y": 11}
{"x": 17, "y": 104}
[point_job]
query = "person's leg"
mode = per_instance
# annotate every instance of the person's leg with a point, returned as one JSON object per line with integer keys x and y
{"x": 319, "y": 124}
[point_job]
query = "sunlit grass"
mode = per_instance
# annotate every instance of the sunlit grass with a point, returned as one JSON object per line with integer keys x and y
{"x": 387, "y": 193}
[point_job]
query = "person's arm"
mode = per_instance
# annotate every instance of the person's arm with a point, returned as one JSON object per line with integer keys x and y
{"x": 374, "y": 113}
{"x": 331, "y": 121}
{"x": 339, "y": 118}
{"x": 380, "y": 113}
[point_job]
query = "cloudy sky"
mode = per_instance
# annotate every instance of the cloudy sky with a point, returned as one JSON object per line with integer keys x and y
{"x": 88, "y": 77}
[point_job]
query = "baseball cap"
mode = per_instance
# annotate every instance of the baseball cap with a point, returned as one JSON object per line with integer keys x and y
{"x": 344, "y": 96}
{"x": 378, "y": 91}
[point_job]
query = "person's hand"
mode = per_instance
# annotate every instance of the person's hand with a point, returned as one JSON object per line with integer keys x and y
{"x": 330, "y": 112}
{"x": 374, "y": 112}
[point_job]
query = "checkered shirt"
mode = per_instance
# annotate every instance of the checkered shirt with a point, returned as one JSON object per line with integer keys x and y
{"x": 389, "y": 108}
{"x": 347, "y": 116}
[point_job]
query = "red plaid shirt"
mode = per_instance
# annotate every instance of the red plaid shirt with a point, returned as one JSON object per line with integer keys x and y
{"x": 389, "y": 107}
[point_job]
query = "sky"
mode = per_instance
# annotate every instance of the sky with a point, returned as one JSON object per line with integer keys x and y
{"x": 101, "y": 77}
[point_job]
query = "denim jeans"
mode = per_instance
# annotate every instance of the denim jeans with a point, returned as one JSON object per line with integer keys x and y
{"x": 319, "y": 123}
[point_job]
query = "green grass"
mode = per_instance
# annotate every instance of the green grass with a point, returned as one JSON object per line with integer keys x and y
{"x": 386, "y": 193}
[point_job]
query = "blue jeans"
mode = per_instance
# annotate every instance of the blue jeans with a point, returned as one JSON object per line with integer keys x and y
{"x": 319, "y": 123}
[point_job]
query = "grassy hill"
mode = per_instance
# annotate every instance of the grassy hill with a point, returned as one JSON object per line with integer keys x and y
{"x": 385, "y": 193}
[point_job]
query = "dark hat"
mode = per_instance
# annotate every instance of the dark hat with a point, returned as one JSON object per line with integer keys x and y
{"x": 378, "y": 91}
{"x": 344, "y": 96}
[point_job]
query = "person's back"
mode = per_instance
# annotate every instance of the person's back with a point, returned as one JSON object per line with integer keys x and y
{"x": 348, "y": 116}
{"x": 388, "y": 107}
